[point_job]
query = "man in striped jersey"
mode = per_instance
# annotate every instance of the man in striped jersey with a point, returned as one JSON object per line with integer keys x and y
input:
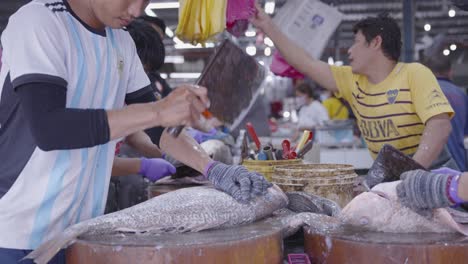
{"x": 68, "y": 69}
{"x": 395, "y": 103}
{"x": 422, "y": 190}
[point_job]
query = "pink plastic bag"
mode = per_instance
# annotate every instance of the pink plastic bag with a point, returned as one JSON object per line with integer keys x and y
{"x": 280, "y": 67}
{"x": 238, "y": 13}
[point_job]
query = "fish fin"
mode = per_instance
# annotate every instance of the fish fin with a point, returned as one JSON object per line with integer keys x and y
{"x": 460, "y": 217}
{"x": 319, "y": 223}
{"x": 444, "y": 216}
{"x": 45, "y": 252}
{"x": 300, "y": 202}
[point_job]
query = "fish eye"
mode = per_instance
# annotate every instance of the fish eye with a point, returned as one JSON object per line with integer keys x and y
{"x": 364, "y": 221}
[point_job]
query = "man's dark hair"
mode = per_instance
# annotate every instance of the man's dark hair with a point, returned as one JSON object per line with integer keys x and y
{"x": 439, "y": 65}
{"x": 306, "y": 88}
{"x": 149, "y": 45}
{"x": 462, "y": 4}
{"x": 387, "y": 28}
{"x": 155, "y": 21}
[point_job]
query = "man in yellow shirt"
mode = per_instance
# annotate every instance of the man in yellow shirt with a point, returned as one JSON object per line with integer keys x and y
{"x": 395, "y": 103}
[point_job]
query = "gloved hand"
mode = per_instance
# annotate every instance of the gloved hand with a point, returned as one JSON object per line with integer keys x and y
{"x": 421, "y": 190}
{"x": 447, "y": 171}
{"x": 155, "y": 169}
{"x": 200, "y": 136}
{"x": 237, "y": 181}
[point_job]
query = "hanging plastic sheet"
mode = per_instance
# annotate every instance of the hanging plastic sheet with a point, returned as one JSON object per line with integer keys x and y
{"x": 237, "y": 15}
{"x": 201, "y": 20}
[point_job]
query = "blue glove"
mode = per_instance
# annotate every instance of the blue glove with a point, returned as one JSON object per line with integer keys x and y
{"x": 155, "y": 169}
{"x": 447, "y": 171}
{"x": 200, "y": 136}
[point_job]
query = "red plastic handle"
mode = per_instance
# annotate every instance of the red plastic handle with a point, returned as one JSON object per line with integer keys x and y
{"x": 253, "y": 134}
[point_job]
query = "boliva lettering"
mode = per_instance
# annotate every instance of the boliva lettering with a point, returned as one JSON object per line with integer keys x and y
{"x": 384, "y": 128}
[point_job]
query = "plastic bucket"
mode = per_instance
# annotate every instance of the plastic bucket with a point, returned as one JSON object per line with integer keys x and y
{"x": 331, "y": 181}
{"x": 266, "y": 167}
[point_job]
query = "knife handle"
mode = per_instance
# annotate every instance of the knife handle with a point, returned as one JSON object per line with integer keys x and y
{"x": 175, "y": 131}
{"x": 307, "y": 147}
{"x": 253, "y": 135}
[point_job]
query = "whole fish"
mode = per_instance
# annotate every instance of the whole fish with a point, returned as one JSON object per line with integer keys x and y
{"x": 185, "y": 210}
{"x": 380, "y": 210}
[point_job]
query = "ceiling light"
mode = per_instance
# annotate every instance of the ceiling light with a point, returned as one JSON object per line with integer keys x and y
{"x": 187, "y": 46}
{"x": 174, "y": 59}
{"x": 184, "y": 75}
{"x": 251, "y": 50}
{"x": 149, "y": 11}
{"x": 165, "y": 5}
{"x": 270, "y": 7}
{"x": 250, "y": 33}
{"x": 163, "y": 75}
{"x": 181, "y": 45}
{"x": 451, "y": 13}
{"x": 268, "y": 42}
{"x": 453, "y": 47}
{"x": 267, "y": 51}
{"x": 261, "y": 63}
{"x": 427, "y": 27}
{"x": 446, "y": 52}
{"x": 169, "y": 32}
{"x": 209, "y": 45}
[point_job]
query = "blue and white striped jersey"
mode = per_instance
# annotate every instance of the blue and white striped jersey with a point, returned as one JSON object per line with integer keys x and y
{"x": 42, "y": 193}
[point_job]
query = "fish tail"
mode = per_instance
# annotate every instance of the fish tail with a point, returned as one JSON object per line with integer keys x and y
{"x": 45, "y": 252}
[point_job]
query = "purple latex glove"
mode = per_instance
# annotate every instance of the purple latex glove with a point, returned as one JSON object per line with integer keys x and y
{"x": 155, "y": 169}
{"x": 200, "y": 136}
{"x": 447, "y": 171}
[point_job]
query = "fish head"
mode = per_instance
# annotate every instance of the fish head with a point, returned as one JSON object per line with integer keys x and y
{"x": 368, "y": 210}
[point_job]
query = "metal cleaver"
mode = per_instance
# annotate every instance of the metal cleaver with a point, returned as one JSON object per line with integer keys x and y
{"x": 233, "y": 79}
{"x": 389, "y": 165}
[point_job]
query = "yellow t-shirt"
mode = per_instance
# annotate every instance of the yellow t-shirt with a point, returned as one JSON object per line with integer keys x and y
{"x": 336, "y": 109}
{"x": 395, "y": 110}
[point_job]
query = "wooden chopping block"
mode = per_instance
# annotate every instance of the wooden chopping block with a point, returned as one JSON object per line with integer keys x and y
{"x": 351, "y": 245}
{"x": 259, "y": 242}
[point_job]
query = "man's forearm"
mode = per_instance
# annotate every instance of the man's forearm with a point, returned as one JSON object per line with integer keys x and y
{"x": 298, "y": 58}
{"x": 463, "y": 186}
{"x": 434, "y": 138}
{"x": 125, "y": 166}
{"x": 186, "y": 150}
{"x": 142, "y": 143}
{"x": 132, "y": 118}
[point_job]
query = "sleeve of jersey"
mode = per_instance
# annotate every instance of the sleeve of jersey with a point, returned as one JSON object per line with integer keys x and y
{"x": 428, "y": 98}
{"x": 343, "y": 76}
{"x": 32, "y": 40}
{"x": 137, "y": 78}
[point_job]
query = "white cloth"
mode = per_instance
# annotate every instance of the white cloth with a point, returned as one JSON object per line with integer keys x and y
{"x": 45, "y": 41}
{"x": 312, "y": 115}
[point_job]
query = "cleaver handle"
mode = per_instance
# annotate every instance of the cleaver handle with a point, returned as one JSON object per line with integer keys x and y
{"x": 175, "y": 131}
